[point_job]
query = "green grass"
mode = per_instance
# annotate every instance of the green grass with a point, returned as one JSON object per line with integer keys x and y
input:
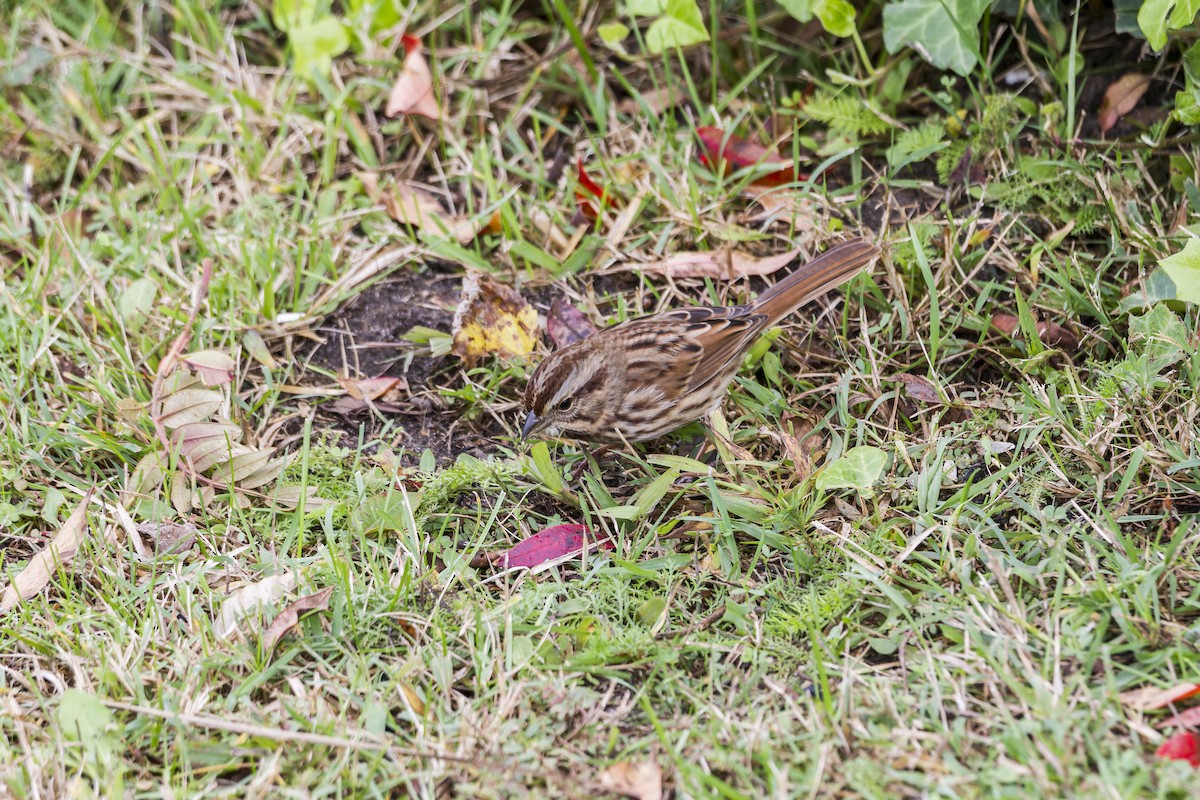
{"x": 963, "y": 629}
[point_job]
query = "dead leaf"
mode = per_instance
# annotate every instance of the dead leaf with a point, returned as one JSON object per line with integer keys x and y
{"x": 566, "y": 324}
{"x": 1148, "y": 698}
{"x": 416, "y": 207}
{"x": 800, "y": 447}
{"x": 413, "y": 91}
{"x": 657, "y": 100}
{"x": 788, "y": 206}
{"x": 492, "y": 318}
{"x": 384, "y": 387}
{"x": 287, "y": 619}
{"x": 641, "y": 780}
{"x": 58, "y": 553}
{"x": 169, "y": 537}
{"x": 258, "y": 350}
{"x": 214, "y": 367}
{"x": 414, "y": 700}
{"x": 240, "y": 605}
{"x": 1052, "y": 334}
{"x": 349, "y": 407}
{"x": 918, "y": 387}
{"x": 1121, "y": 97}
{"x": 1184, "y": 719}
{"x": 722, "y": 264}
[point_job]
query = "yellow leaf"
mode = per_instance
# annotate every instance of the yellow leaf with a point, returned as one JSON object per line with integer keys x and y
{"x": 491, "y": 319}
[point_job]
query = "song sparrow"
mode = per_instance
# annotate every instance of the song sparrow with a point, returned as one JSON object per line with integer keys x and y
{"x": 645, "y": 377}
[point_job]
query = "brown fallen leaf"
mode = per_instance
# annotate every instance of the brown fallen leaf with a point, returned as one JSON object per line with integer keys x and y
{"x": 1121, "y": 97}
{"x": 1051, "y": 333}
{"x": 566, "y": 324}
{"x": 492, "y": 318}
{"x": 413, "y": 91}
{"x": 287, "y": 619}
{"x": 641, "y": 780}
{"x": 1148, "y": 698}
{"x": 416, "y": 207}
{"x": 657, "y": 100}
{"x": 800, "y": 446}
{"x": 58, "y": 553}
{"x": 721, "y": 264}
{"x": 350, "y": 406}
{"x": 1184, "y": 719}
{"x": 169, "y": 537}
{"x": 247, "y": 600}
{"x": 384, "y": 387}
{"x": 918, "y": 387}
{"x": 780, "y": 205}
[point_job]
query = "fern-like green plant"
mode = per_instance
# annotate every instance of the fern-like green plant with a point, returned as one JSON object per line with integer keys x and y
{"x": 845, "y": 114}
{"x": 917, "y": 144}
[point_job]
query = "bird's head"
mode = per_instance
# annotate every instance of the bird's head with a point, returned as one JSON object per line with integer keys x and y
{"x": 566, "y": 393}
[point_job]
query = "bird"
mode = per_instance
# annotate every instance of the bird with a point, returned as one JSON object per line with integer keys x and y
{"x": 646, "y": 377}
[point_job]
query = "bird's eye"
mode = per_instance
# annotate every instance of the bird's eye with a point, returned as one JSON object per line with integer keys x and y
{"x": 565, "y": 403}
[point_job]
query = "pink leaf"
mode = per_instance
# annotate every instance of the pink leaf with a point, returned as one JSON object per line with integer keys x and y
{"x": 566, "y": 324}
{"x": 1184, "y": 719}
{"x": 413, "y": 90}
{"x": 559, "y": 541}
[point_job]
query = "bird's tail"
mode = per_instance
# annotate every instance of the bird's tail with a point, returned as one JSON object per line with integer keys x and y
{"x": 814, "y": 278}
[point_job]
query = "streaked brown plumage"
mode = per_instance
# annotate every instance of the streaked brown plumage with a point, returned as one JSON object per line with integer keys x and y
{"x": 645, "y": 377}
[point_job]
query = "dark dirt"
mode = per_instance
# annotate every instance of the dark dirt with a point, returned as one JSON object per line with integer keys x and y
{"x": 365, "y": 338}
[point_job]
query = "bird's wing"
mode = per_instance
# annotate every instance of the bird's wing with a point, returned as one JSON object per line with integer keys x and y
{"x": 686, "y": 348}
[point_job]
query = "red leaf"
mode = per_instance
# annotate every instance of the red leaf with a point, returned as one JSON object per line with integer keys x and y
{"x": 734, "y": 151}
{"x": 566, "y": 324}
{"x": 555, "y": 542}
{"x": 413, "y": 90}
{"x": 587, "y": 187}
{"x": 1183, "y": 746}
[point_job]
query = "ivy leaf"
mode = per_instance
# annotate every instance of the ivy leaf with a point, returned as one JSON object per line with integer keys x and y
{"x": 289, "y": 15}
{"x": 645, "y": 8}
{"x": 857, "y": 468}
{"x": 315, "y": 45}
{"x": 1183, "y": 269}
{"x": 1160, "y": 336}
{"x": 1158, "y": 16}
{"x": 837, "y": 16}
{"x": 679, "y": 26}
{"x": 944, "y": 32}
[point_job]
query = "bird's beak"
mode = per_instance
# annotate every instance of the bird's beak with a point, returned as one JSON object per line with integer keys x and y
{"x": 531, "y": 423}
